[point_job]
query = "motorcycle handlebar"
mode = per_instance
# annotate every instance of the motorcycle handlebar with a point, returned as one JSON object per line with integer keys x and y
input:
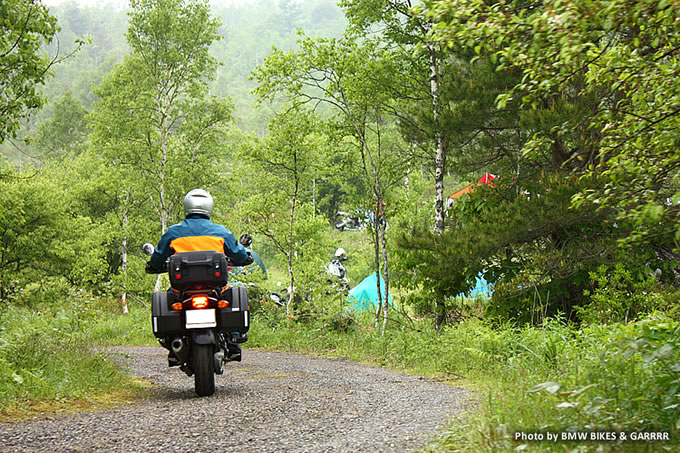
{"x": 152, "y": 270}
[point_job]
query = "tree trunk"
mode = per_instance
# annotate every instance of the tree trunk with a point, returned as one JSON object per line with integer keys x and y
{"x": 291, "y": 275}
{"x": 386, "y": 275}
{"x": 440, "y": 149}
{"x": 376, "y": 241}
{"x": 439, "y": 163}
{"x": 293, "y": 201}
{"x": 164, "y": 129}
{"x": 124, "y": 250}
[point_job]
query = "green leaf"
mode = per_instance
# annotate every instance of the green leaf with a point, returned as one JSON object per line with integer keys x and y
{"x": 550, "y": 387}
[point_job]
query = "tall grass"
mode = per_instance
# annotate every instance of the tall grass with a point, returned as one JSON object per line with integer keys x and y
{"x": 48, "y": 356}
{"x": 133, "y": 329}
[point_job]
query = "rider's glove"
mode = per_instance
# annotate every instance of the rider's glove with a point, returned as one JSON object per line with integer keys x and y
{"x": 248, "y": 260}
{"x": 149, "y": 269}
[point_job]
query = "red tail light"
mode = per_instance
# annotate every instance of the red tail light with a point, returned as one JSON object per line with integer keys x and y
{"x": 199, "y": 302}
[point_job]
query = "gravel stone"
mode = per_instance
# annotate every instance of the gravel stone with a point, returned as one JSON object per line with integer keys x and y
{"x": 270, "y": 402}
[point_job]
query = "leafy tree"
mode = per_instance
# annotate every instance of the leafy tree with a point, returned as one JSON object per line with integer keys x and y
{"x": 154, "y": 116}
{"x": 43, "y": 239}
{"x": 66, "y": 131}
{"x": 155, "y": 120}
{"x": 24, "y": 27}
{"x": 421, "y": 74}
{"x": 594, "y": 119}
{"x": 288, "y": 158}
{"x": 607, "y": 68}
{"x": 350, "y": 79}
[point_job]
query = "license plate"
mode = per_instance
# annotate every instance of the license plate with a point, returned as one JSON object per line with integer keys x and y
{"x": 200, "y": 319}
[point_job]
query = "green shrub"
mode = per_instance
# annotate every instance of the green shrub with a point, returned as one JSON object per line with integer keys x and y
{"x": 556, "y": 378}
{"x": 46, "y": 355}
{"x": 619, "y": 296}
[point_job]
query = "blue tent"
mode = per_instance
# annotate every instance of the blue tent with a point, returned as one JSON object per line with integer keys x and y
{"x": 482, "y": 288}
{"x": 364, "y": 296}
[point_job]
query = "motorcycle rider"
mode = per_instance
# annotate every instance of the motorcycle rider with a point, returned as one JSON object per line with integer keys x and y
{"x": 197, "y": 233}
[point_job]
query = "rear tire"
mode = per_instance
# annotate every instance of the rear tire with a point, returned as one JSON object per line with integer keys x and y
{"x": 204, "y": 373}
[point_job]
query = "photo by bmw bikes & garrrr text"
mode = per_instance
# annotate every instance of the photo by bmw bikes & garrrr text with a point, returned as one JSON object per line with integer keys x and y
{"x": 201, "y": 320}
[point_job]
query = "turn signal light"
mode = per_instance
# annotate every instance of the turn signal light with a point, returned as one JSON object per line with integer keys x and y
{"x": 176, "y": 306}
{"x": 222, "y": 303}
{"x": 199, "y": 302}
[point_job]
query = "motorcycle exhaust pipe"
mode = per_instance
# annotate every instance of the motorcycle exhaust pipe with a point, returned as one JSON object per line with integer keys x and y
{"x": 219, "y": 359}
{"x": 179, "y": 348}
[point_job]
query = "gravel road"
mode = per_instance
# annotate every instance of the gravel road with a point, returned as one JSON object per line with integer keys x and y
{"x": 270, "y": 402}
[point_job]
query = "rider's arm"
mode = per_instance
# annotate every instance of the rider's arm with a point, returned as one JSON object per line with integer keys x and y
{"x": 236, "y": 251}
{"x": 162, "y": 250}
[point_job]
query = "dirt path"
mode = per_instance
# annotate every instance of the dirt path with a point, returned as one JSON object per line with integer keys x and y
{"x": 270, "y": 402}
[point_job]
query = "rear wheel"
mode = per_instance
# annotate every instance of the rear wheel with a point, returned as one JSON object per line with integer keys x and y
{"x": 204, "y": 374}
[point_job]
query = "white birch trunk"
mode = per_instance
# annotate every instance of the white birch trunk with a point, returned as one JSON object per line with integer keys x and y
{"x": 440, "y": 151}
{"x": 164, "y": 129}
{"x": 124, "y": 251}
{"x": 386, "y": 275}
{"x": 291, "y": 274}
{"x": 376, "y": 228}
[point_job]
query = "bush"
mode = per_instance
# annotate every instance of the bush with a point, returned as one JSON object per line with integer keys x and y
{"x": 46, "y": 355}
{"x": 619, "y": 297}
{"x": 556, "y": 378}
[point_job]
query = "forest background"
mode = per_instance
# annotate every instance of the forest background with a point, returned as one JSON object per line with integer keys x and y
{"x": 288, "y": 112}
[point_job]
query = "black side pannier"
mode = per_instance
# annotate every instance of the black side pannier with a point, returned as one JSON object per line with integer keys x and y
{"x": 197, "y": 270}
{"x": 236, "y": 317}
{"x": 165, "y": 322}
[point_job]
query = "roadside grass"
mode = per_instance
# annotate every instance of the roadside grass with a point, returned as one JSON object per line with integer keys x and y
{"x": 554, "y": 378}
{"x": 49, "y": 362}
{"x": 133, "y": 329}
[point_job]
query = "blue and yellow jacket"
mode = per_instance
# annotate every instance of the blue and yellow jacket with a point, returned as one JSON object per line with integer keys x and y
{"x": 197, "y": 233}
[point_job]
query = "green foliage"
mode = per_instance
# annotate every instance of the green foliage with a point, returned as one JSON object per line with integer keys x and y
{"x": 290, "y": 158}
{"x": 41, "y": 236}
{"x": 604, "y": 68}
{"x": 619, "y": 296}
{"x": 24, "y": 27}
{"x": 173, "y": 37}
{"x": 536, "y": 248}
{"x": 45, "y": 355}
{"x": 66, "y": 131}
{"x": 155, "y": 121}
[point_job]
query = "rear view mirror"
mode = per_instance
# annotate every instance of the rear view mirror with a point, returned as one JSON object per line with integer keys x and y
{"x": 148, "y": 249}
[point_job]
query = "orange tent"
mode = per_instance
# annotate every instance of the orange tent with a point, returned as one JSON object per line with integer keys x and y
{"x": 486, "y": 179}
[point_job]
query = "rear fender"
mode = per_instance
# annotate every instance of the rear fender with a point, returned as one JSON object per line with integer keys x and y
{"x": 203, "y": 337}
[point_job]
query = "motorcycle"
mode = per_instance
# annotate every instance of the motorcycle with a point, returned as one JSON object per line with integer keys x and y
{"x": 337, "y": 271}
{"x": 201, "y": 320}
{"x": 345, "y": 221}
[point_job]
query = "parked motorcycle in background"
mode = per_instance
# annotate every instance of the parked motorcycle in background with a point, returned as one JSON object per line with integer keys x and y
{"x": 201, "y": 320}
{"x": 345, "y": 221}
{"x": 337, "y": 271}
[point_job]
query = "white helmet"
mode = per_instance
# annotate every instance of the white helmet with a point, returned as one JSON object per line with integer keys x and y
{"x": 340, "y": 254}
{"x": 198, "y": 201}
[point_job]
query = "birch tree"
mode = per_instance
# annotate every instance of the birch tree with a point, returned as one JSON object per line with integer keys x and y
{"x": 155, "y": 118}
{"x": 289, "y": 158}
{"x": 345, "y": 76}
